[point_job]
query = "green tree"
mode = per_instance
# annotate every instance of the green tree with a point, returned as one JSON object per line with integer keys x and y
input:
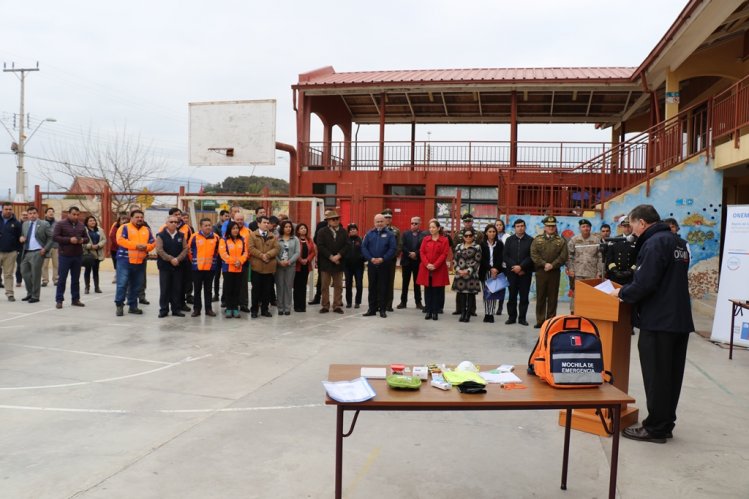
{"x": 251, "y": 185}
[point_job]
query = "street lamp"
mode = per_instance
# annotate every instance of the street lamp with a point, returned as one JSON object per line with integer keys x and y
{"x": 18, "y": 148}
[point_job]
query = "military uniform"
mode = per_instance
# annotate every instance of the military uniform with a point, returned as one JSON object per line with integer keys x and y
{"x": 553, "y": 250}
{"x": 621, "y": 262}
{"x": 584, "y": 260}
{"x": 388, "y": 214}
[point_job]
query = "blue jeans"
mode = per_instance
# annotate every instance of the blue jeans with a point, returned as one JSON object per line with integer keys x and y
{"x": 72, "y": 265}
{"x": 129, "y": 279}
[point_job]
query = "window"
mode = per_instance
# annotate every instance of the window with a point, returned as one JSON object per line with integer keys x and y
{"x": 407, "y": 190}
{"x": 479, "y": 201}
{"x": 321, "y": 189}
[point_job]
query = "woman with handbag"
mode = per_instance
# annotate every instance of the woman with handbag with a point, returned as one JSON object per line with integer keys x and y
{"x": 467, "y": 282}
{"x": 491, "y": 268}
{"x": 93, "y": 253}
{"x": 433, "y": 270}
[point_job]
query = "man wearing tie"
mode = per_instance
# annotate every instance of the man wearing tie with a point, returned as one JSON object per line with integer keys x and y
{"x": 36, "y": 240}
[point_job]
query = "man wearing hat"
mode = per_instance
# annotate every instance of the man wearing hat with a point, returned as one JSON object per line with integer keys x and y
{"x": 621, "y": 256}
{"x": 332, "y": 242}
{"x": 584, "y": 260}
{"x": 519, "y": 271}
{"x": 549, "y": 253}
{"x": 388, "y": 214}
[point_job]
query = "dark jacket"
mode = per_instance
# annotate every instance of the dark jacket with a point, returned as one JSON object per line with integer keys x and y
{"x": 517, "y": 251}
{"x": 62, "y": 233}
{"x": 379, "y": 244}
{"x": 10, "y": 232}
{"x": 354, "y": 257}
{"x": 660, "y": 289}
{"x": 411, "y": 242}
{"x": 497, "y": 257}
{"x": 327, "y": 247}
{"x": 168, "y": 247}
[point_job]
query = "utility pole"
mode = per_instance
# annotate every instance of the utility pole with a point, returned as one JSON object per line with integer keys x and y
{"x": 21, "y": 173}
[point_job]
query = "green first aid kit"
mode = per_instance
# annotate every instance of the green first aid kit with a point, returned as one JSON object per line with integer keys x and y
{"x": 403, "y": 382}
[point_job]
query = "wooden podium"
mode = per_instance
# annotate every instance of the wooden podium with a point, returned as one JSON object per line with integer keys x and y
{"x": 613, "y": 321}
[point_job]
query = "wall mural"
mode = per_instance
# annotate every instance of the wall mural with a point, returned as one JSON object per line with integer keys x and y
{"x": 691, "y": 194}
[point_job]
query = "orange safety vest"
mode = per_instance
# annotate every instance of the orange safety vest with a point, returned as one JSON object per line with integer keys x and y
{"x": 231, "y": 250}
{"x": 203, "y": 251}
{"x": 129, "y": 237}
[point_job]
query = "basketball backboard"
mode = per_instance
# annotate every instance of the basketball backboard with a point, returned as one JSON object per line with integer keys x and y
{"x": 225, "y": 133}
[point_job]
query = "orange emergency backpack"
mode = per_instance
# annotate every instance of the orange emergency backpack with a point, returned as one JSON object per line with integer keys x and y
{"x": 568, "y": 353}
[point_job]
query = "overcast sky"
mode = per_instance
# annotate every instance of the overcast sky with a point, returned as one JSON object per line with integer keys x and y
{"x": 106, "y": 66}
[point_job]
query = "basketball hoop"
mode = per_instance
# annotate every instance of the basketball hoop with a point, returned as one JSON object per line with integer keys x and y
{"x": 226, "y": 151}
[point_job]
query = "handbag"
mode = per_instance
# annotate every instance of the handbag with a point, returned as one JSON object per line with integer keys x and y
{"x": 88, "y": 259}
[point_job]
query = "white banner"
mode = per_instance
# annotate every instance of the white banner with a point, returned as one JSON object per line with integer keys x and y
{"x": 734, "y": 278}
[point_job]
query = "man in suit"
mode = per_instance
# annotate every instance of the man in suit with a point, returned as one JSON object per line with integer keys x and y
{"x": 36, "y": 241}
{"x": 410, "y": 262}
{"x": 332, "y": 244}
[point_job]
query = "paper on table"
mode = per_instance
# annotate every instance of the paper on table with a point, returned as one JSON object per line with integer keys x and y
{"x": 356, "y": 390}
{"x": 605, "y": 286}
{"x": 500, "y": 377}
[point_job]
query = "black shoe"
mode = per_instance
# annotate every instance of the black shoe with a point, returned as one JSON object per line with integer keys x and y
{"x": 120, "y": 311}
{"x": 97, "y": 290}
{"x": 359, "y": 305}
{"x": 338, "y": 310}
{"x": 324, "y": 310}
{"x": 435, "y": 317}
{"x": 33, "y": 300}
{"x": 162, "y": 314}
{"x": 195, "y": 313}
{"x": 537, "y": 326}
{"x": 369, "y": 313}
{"x": 486, "y": 318}
{"x": 87, "y": 290}
{"x": 26, "y": 298}
{"x": 266, "y": 313}
{"x": 210, "y": 313}
{"x": 76, "y": 303}
{"x": 510, "y": 321}
{"x": 215, "y": 298}
{"x": 143, "y": 302}
{"x": 348, "y": 305}
{"x": 401, "y": 305}
{"x": 253, "y": 315}
{"x": 244, "y": 309}
{"x": 185, "y": 308}
{"x": 457, "y": 313}
{"x": 419, "y": 305}
{"x": 523, "y": 322}
{"x": 189, "y": 300}
{"x": 383, "y": 314}
{"x": 12, "y": 298}
{"x": 178, "y": 314}
{"x": 390, "y": 309}
{"x": 134, "y": 310}
{"x": 428, "y": 316}
{"x": 642, "y": 435}
{"x": 223, "y": 304}
{"x": 287, "y": 313}
{"x": 315, "y": 301}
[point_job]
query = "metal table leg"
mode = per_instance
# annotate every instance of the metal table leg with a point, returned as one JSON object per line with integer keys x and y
{"x": 617, "y": 410}
{"x": 734, "y": 313}
{"x": 338, "y": 452}
{"x": 566, "y": 455}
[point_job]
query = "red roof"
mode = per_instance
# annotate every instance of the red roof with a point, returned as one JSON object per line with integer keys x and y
{"x": 328, "y": 77}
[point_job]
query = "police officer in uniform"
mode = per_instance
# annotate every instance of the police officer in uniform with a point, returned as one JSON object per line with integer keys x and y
{"x": 388, "y": 214}
{"x": 620, "y": 257}
{"x": 584, "y": 260}
{"x": 549, "y": 253}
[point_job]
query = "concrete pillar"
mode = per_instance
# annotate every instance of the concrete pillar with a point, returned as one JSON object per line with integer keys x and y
{"x": 672, "y": 95}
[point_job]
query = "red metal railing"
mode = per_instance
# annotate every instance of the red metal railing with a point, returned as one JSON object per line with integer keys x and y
{"x": 731, "y": 110}
{"x": 450, "y": 155}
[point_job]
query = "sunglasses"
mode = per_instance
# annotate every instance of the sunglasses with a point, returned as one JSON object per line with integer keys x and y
{"x": 468, "y": 235}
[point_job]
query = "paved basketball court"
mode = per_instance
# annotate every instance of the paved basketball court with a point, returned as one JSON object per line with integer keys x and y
{"x": 98, "y": 406}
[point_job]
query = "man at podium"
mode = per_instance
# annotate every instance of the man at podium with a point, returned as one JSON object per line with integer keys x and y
{"x": 659, "y": 293}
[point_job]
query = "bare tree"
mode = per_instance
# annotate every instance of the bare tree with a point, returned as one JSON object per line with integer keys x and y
{"x": 124, "y": 161}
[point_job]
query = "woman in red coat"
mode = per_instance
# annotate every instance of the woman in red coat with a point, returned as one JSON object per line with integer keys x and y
{"x": 433, "y": 270}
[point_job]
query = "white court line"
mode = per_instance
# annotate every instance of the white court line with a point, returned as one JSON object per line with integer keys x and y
{"x": 86, "y": 353}
{"x": 158, "y": 411}
{"x": 106, "y": 380}
{"x": 21, "y": 315}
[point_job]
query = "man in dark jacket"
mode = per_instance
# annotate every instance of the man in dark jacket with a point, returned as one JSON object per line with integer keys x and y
{"x": 378, "y": 249}
{"x": 519, "y": 270}
{"x": 70, "y": 235}
{"x": 410, "y": 262}
{"x": 659, "y": 293}
{"x": 10, "y": 234}
{"x": 332, "y": 242}
{"x": 171, "y": 248}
